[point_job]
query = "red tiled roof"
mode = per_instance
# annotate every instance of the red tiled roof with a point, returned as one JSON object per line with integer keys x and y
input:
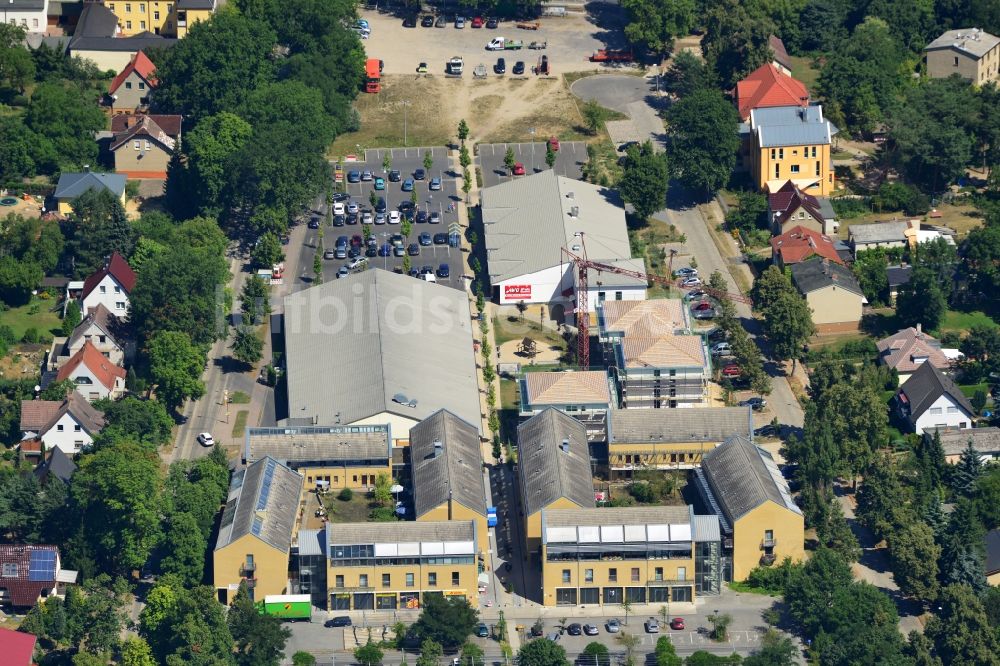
{"x": 17, "y": 647}
{"x": 799, "y": 243}
{"x": 24, "y": 592}
{"x": 104, "y": 370}
{"x": 767, "y": 86}
{"x": 36, "y": 414}
{"x": 789, "y": 198}
{"x": 169, "y": 123}
{"x": 145, "y": 127}
{"x": 141, "y": 65}
{"x": 117, "y": 268}
{"x": 41, "y": 415}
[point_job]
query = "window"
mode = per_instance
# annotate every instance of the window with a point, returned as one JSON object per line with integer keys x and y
{"x": 156, "y": 16}
{"x": 9, "y": 570}
{"x": 104, "y": 289}
{"x": 128, "y": 7}
{"x": 566, "y": 577}
{"x": 588, "y": 575}
{"x": 386, "y": 580}
{"x": 635, "y": 574}
{"x": 363, "y": 580}
{"x": 118, "y": 290}
{"x": 773, "y": 153}
{"x": 355, "y": 478}
{"x": 142, "y": 25}
{"x": 142, "y": 85}
{"x": 136, "y": 144}
{"x": 120, "y": 305}
{"x": 409, "y": 580}
{"x": 128, "y": 85}
{"x": 781, "y": 153}
{"x": 76, "y": 427}
{"x": 658, "y": 573}
{"x": 102, "y": 338}
{"x": 77, "y": 445}
{"x": 339, "y": 581}
{"x": 34, "y": 23}
{"x": 60, "y": 427}
{"x": 777, "y": 170}
{"x": 953, "y": 410}
{"x": 795, "y": 168}
{"x": 613, "y": 575}
{"x": 682, "y": 573}
{"x": 432, "y": 579}
{"x": 128, "y": 24}
{"x": 618, "y": 295}
{"x": 142, "y": 7}
{"x": 934, "y": 410}
{"x": 817, "y": 167}
{"x": 956, "y": 61}
{"x": 814, "y": 151}
{"x": 455, "y": 578}
{"x": 147, "y": 145}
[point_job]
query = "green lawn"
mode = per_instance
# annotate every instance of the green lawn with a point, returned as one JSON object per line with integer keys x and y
{"x": 803, "y": 70}
{"x": 35, "y": 314}
{"x": 508, "y": 394}
{"x": 240, "y": 426}
{"x": 963, "y": 321}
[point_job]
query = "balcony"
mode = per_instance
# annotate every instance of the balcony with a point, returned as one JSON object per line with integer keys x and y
{"x": 767, "y": 559}
{"x": 766, "y": 544}
{"x": 248, "y": 570}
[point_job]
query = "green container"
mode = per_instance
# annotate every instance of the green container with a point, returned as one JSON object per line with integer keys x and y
{"x": 288, "y": 606}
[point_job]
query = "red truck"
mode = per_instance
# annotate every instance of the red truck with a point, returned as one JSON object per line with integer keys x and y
{"x": 611, "y": 55}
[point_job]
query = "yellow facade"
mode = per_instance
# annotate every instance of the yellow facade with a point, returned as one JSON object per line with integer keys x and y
{"x": 613, "y": 577}
{"x": 161, "y": 18}
{"x": 533, "y": 523}
{"x": 834, "y": 305}
{"x": 993, "y": 579}
{"x": 264, "y": 567}
{"x": 65, "y": 205}
{"x": 624, "y": 457}
{"x": 355, "y": 478}
{"x": 799, "y": 164}
{"x": 461, "y": 512}
{"x": 394, "y": 586}
{"x": 767, "y": 530}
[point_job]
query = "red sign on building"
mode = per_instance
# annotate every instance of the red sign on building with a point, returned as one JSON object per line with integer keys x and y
{"x": 517, "y": 292}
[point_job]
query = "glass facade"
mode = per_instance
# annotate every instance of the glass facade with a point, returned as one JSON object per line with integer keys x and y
{"x": 708, "y": 568}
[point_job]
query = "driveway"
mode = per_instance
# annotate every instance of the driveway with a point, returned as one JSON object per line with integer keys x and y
{"x": 635, "y": 96}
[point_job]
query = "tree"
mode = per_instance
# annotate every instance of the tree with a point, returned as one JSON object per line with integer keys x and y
{"x": 472, "y": 655}
{"x": 870, "y": 268}
{"x": 813, "y": 588}
{"x": 136, "y": 652}
{"x": 463, "y": 131}
{"x": 645, "y": 180}
{"x": 686, "y": 74}
{"x": 64, "y": 118}
{"x": 962, "y": 554}
{"x": 542, "y": 653}
{"x": 881, "y": 505}
{"x": 914, "y": 558}
{"x": 736, "y": 40}
{"x": 775, "y": 650}
{"x": 508, "y": 159}
{"x": 750, "y": 212}
{"x": 17, "y": 68}
{"x": 247, "y": 346}
{"x": 186, "y": 556}
{"x": 464, "y": 159}
{"x": 665, "y": 653}
{"x": 550, "y": 156}
{"x": 598, "y": 655}
{"x": 98, "y": 228}
{"x": 428, "y": 161}
{"x": 788, "y": 321}
{"x": 204, "y": 185}
{"x": 430, "y": 653}
{"x": 71, "y": 319}
{"x": 260, "y": 639}
{"x": 17, "y": 280}
{"x": 720, "y": 625}
{"x": 702, "y": 129}
{"x": 186, "y": 626}
{"x": 446, "y": 620}
{"x": 987, "y": 498}
{"x": 175, "y": 365}
{"x": 268, "y": 251}
{"x": 145, "y": 422}
{"x": 593, "y": 115}
{"x": 368, "y": 654}
{"x": 254, "y": 302}
{"x": 860, "y": 626}
{"x": 630, "y": 642}
{"x": 967, "y": 471}
{"x": 302, "y": 658}
{"x": 960, "y": 631}
{"x": 98, "y": 613}
{"x": 653, "y": 24}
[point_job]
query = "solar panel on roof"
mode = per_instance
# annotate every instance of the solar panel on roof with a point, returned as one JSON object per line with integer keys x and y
{"x": 42, "y": 565}
{"x": 265, "y": 485}
{"x": 258, "y": 524}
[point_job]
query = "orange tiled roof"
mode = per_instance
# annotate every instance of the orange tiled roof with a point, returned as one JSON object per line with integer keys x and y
{"x": 799, "y": 243}
{"x": 567, "y": 388}
{"x": 104, "y": 370}
{"x": 768, "y": 86}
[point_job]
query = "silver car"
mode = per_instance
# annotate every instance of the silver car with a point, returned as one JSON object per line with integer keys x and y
{"x": 613, "y": 626}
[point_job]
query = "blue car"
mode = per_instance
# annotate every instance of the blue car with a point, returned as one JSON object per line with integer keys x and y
{"x": 443, "y": 271}
{"x": 353, "y": 176}
{"x": 408, "y": 185}
{"x": 385, "y": 250}
{"x": 435, "y": 184}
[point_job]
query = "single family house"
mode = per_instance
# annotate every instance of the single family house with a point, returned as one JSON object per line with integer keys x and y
{"x": 69, "y": 425}
{"x": 109, "y": 286}
{"x": 72, "y": 185}
{"x": 832, "y": 292}
{"x": 129, "y": 90}
{"x": 143, "y": 145}
{"x": 930, "y": 400}
{"x": 95, "y": 376}
{"x": 789, "y": 207}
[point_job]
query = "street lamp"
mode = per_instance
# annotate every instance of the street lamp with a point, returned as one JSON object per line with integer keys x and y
{"x": 531, "y": 131}
{"x": 406, "y": 104}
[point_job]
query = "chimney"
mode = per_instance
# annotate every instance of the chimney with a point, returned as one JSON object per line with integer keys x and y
{"x": 574, "y": 211}
{"x": 920, "y": 332}
{"x": 564, "y": 446}
{"x": 826, "y": 266}
{"x": 438, "y": 447}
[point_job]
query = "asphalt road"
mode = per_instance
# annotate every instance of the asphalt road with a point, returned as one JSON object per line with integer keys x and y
{"x": 636, "y": 97}
{"x": 570, "y": 158}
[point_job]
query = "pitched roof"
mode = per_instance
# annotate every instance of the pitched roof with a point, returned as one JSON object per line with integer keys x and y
{"x": 768, "y": 86}
{"x": 907, "y": 349}
{"x": 56, "y": 464}
{"x": 743, "y": 477}
{"x": 118, "y": 43}
{"x": 393, "y": 342}
{"x": 567, "y": 388}
{"x": 17, "y": 647}
{"x": 879, "y": 232}
{"x": 706, "y": 424}
{"x": 169, "y": 123}
{"x": 898, "y": 275}
{"x": 799, "y": 243}
{"x": 146, "y": 127}
{"x": 412, "y": 533}
{"x": 972, "y": 41}
{"x": 446, "y": 463}
{"x": 141, "y": 65}
{"x": 984, "y": 440}
{"x": 263, "y": 501}
{"x": 102, "y": 368}
{"x": 787, "y": 199}
{"x": 72, "y": 185}
{"x": 779, "y": 51}
{"x": 96, "y": 20}
{"x": 625, "y": 526}
{"x": 117, "y": 268}
{"x": 40, "y": 415}
{"x": 99, "y": 316}
{"x": 647, "y": 318}
{"x": 816, "y": 273}
{"x": 528, "y": 221}
{"x": 992, "y": 552}
{"x": 27, "y": 569}
{"x": 318, "y": 445}
{"x": 791, "y": 126}
{"x": 926, "y": 385}
{"x": 665, "y": 351}
{"x": 547, "y": 471}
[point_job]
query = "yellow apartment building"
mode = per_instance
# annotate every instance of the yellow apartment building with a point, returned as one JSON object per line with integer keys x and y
{"x": 760, "y": 523}
{"x": 791, "y": 143}
{"x": 664, "y": 439}
{"x": 170, "y": 19}
{"x": 255, "y": 534}
{"x": 446, "y": 468}
{"x": 554, "y": 469}
{"x": 645, "y": 555}
{"x": 387, "y": 566}
{"x": 334, "y": 457}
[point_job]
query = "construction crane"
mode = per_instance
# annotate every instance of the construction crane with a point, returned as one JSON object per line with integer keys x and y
{"x": 583, "y": 264}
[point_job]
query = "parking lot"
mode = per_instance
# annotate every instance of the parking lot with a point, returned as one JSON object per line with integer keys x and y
{"x": 570, "y": 158}
{"x": 442, "y": 202}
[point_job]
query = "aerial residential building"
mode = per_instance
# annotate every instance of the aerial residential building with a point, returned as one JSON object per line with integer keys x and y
{"x": 984, "y": 441}
{"x": 780, "y": 58}
{"x": 17, "y": 647}
{"x": 379, "y": 348}
{"x": 554, "y": 469}
{"x": 55, "y": 466}
{"x": 799, "y": 244}
{"x": 897, "y": 276}
{"x": 906, "y": 350}
{"x": 255, "y": 534}
{"x": 108, "y": 286}
{"x": 769, "y": 86}
{"x": 641, "y": 319}
{"x": 832, "y": 292}
{"x": 761, "y": 524}
{"x": 102, "y": 39}
{"x": 664, "y": 439}
{"x": 608, "y": 556}
{"x": 330, "y": 457}
{"x": 32, "y": 15}
{"x": 99, "y": 328}
{"x": 69, "y": 425}
{"x": 29, "y": 573}
{"x": 930, "y": 400}
{"x": 878, "y": 234}
{"x": 584, "y": 395}
{"x": 72, "y": 185}
{"x": 95, "y": 376}
{"x": 528, "y": 224}
{"x": 130, "y": 89}
{"x": 172, "y": 18}
{"x": 790, "y": 143}
{"x": 789, "y": 207}
{"x": 144, "y": 144}
{"x": 389, "y": 566}
{"x": 446, "y": 468}
{"x": 970, "y": 53}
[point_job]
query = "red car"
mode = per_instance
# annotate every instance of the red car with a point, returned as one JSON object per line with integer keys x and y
{"x": 554, "y": 143}
{"x": 518, "y": 169}
{"x": 731, "y": 371}
{"x": 704, "y": 305}
{"x": 677, "y": 623}
{"x": 478, "y": 22}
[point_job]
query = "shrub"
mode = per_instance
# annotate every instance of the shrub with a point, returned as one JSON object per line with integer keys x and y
{"x": 642, "y": 492}
{"x": 30, "y": 336}
{"x": 773, "y": 579}
{"x": 345, "y": 495}
{"x": 847, "y": 208}
{"x": 900, "y": 196}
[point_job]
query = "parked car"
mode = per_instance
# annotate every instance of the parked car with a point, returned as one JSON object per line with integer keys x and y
{"x": 731, "y": 371}
{"x": 380, "y": 205}
{"x": 339, "y": 621}
{"x": 425, "y": 239}
{"x": 206, "y": 439}
{"x": 677, "y": 624}
{"x": 459, "y": 22}
{"x": 398, "y": 250}
{"x": 695, "y": 295}
{"x": 705, "y": 315}
{"x": 492, "y": 23}
{"x": 427, "y": 21}
{"x": 353, "y": 207}
{"x": 367, "y": 217}
{"x": 500, "y": 67}
{"x": 413, "y": 250}
{"x": 652, "y": 626}
{"x": 721, "y": 349}
{"x": 343, "y": 272}
{"x": 353, "y": 176}
{"x": 477, "y": 22}
{"x": 421, "y": 217}
{"x": 380, "y": 183}
{"x": 691, "y": 282}
{"x": 434, "y": 218}
{"x": 371, "y": 251}
{"x": 394, "y": 175}
{"x": 313, "y": 223}
{"x": 443, "y": 271}
{"x": 704, "y": 305}
{"x": 590, "y": 629}
{"x": 767, "y": 430}
{"x": 482, "y": 630}
{"x": 340, "y": 196}
{"x": 385, "y": 250}
{"x": 613, "y": 626}
{"x": 441, "y": 239}
{"x": 687, "y": 271}
{"x": 410, "y": 22}
{"x": 379, "y": 218}
{"x": 756, "y": 403}
{"x": 339, "y": 220}
{"x": 518, "y": 68}
{"x": 422, "y": 68}
{"x": 434, "y": 185}
{"x": 406, "y": 207}
{"x": 330, "y": 254}
{"x": 441, "y": 21}
{"x": 367, "y": 175}
{"x": 360, "y": 262}
{"x": 518, "y": 169}
{"x": 419, "y": 174}
{"x": 408, "y": 185}
{"x": 574, "y": 629}
{"x": 394, "y": 217}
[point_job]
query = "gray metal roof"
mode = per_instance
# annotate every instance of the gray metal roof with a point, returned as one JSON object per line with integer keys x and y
{"x": 318, "y": 444}
{"x": 791, "y": 126}
{"x": 263, "y": 501}
{"x": 984, "y": 440}
{"x": 973, "y": 41}
{"x": 743, "y": 477}
{"x": 311, "y": 542}
{"x": 367, "y": 344}
{"x": 708, "y": 424}
{"x": 345, "y": 534}
{"x": 926, "y": 385}
{"x": 706, "y": 529}
{"x": 879, "y": 232}
{"x": 72, "y": 185}
{"x": 992, "y": 552}
{"x": 529, "y": 220}
{"x": 140, "y": 42}
{"x": 547, "y": 471}
{"x": 95, "y": 20}
{"x": 446, "y": 462}
{"x": 898, "y": 275}
{"x": 629, "y": 515}
{"x": 57, "y": 465}
{"x": 818, "y": 273}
